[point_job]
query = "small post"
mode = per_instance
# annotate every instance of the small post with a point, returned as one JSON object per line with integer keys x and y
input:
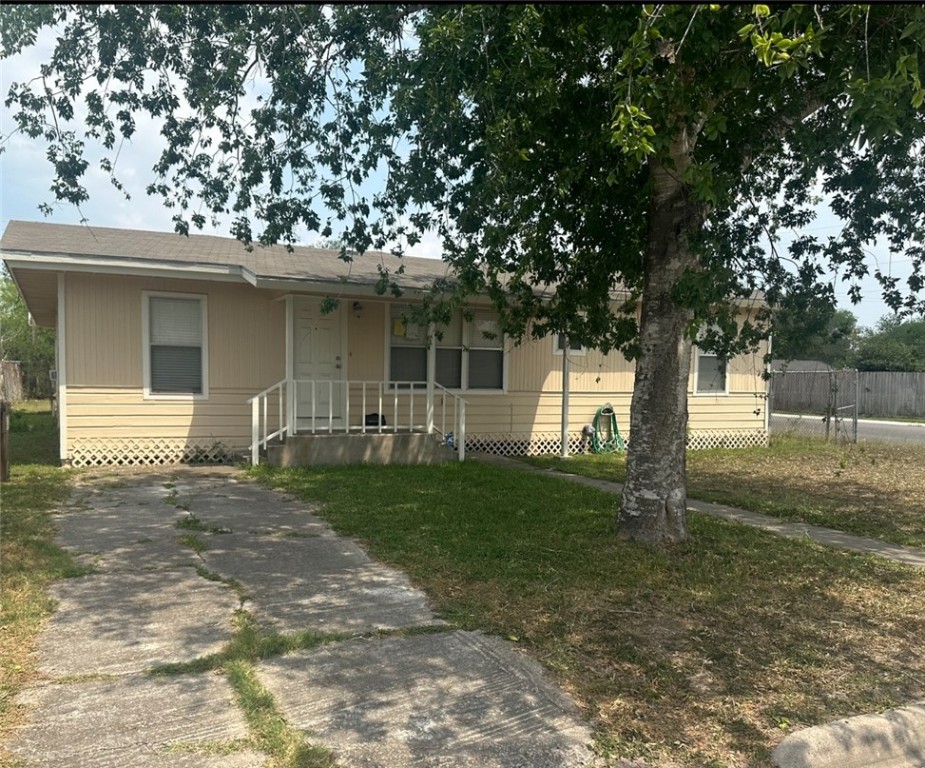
{"x": 431, "y": 376}
{"x": 461, "y": 438}
{"x": 4, "y": 441}
{"x": 563, "y": 448}
{"x": 255, "y": 431}
{"x": 282, "y": 418}
{"x": 857, "y": 401}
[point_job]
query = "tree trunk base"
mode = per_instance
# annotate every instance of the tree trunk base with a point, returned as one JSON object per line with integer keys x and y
{"x": 652, "y": 520}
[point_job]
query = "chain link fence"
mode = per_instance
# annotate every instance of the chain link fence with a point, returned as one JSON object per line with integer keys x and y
{"x": 819, "y": 403}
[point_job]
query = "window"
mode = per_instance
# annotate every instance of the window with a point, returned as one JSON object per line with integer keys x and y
{"x": 174, "y": 326}
{"x": 711, "y": 374}
{"x": 469, "y": 354}
{"x": 486, "y": 352}
{"x": 574, "y": 347}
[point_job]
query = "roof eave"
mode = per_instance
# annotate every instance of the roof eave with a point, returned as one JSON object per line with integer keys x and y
{"x": 63, "y": 262}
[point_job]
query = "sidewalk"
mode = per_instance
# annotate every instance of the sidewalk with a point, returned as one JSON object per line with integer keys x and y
{"x": 180, "y": 559}
{"x": 827, "y": 536}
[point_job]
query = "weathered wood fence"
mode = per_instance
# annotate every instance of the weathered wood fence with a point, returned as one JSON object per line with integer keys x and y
{"x": 877, "y": 394}
{"x": 892, "y": 394}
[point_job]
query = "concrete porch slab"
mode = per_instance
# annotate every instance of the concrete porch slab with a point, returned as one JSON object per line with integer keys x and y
{"x": 371, "y": 448}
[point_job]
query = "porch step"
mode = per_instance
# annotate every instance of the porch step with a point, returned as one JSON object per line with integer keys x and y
{"x": 340, "y": 449}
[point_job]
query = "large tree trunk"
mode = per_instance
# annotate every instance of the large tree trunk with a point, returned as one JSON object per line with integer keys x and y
{"x": 654, "y": 498}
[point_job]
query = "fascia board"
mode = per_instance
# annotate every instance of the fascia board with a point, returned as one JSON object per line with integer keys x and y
{"x": 136, "y": 267}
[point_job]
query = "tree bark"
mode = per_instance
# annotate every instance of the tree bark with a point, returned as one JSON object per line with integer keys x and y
{"x": 654, "y": 501}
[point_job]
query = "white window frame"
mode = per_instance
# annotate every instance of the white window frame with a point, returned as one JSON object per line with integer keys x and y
{"x": 503, "y": 349}
{"x": 557, "y": 351}
{"x": 146, "y": 297}
{"x": 711, "y": 393}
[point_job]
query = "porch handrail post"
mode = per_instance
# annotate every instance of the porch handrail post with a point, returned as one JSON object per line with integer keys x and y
{"x": 563, "y": 447}
{"x": 431, "y": 376}
{"x": 255, "y": 431}
{"x": 461, "y": 439}
{"x": 380, "y": 408}
{"x": 291, "y": 391}
{"x": 314, "y": 397}
{"x": 282, "y": 420}
{"x": 346, "y": 407}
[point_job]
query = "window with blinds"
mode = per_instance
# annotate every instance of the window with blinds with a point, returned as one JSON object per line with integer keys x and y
{"x": 469, "y": 351}
{"x": 176, "y": 359}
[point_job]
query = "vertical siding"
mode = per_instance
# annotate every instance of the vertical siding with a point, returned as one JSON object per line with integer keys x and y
{"x": 247, "y": 332}
{"x": 365, "y": 341}
{"x": 103, "y": 327}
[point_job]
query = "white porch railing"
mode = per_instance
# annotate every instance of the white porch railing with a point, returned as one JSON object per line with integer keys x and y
{"x": 260, "y": 418}
{"x": 455, "y": 437}
{"x": 320, "y": 405}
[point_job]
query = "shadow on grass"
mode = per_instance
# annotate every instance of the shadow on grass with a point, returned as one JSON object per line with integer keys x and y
{"x": 33, "y": 440}
{"x": 707, "y": 653}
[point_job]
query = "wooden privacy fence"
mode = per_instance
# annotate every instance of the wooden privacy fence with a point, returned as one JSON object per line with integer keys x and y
{"x": 891, "y": 394}
{"x": 877, "y": 394}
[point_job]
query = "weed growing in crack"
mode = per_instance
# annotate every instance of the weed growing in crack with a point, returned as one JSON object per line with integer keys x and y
{"x": 192, "y": 541}
{"x": 193, "y": 523}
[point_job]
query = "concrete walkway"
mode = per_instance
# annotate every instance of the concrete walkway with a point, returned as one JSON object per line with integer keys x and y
{"x": 418, "y": 694}
{"x": 896, "y": 552}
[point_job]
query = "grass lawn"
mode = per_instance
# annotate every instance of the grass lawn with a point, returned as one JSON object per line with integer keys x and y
{"x": 28, "y": 558}
{"x": 869, "y": 489}
{"x": 705, "y": 655}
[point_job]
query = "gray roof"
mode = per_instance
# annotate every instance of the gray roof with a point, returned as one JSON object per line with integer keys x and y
{"x": 29, "y": 238}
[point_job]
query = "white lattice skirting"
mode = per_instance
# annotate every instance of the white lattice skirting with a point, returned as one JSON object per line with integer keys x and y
{"x": 146, "y": 453}
{"x": 154, "y": 452}
{"x": 537, "y": 444}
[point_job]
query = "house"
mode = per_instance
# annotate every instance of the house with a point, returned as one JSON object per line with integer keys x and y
{"x": 174, "y": 348}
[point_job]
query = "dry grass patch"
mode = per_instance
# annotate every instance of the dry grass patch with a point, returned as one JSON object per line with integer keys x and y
{"x": 29, "y": 560}
{"x": 705, "y": 655}
{"x": 869, "y": 489}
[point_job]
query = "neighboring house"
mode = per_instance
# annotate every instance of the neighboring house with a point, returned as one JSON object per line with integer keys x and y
{"x": 164, "y": 341}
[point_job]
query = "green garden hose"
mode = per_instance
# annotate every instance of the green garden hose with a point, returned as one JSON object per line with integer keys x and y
{"x": 608, "y": 439}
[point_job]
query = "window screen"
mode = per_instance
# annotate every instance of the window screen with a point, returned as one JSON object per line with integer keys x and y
{"x": 175, "y": 337}
{"x": 711, "y": 374}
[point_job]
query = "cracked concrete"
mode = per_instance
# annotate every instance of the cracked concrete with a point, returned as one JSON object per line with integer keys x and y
{"x": 430, "y": 696}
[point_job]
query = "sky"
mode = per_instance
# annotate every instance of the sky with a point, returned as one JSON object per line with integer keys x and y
{"x": 26, "y": 176}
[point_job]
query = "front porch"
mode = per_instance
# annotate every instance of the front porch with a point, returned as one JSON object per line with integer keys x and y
{"x": 303, "y": 422}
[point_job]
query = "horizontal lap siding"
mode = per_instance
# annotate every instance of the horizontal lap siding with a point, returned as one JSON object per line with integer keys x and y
{"x": 102, "y": 414}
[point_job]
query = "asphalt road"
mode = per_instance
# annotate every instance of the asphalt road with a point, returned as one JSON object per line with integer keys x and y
{"x": 868, "y": 429}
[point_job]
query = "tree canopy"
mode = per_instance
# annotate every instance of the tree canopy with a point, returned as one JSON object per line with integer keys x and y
{"x": 562, "y": 152}
{"x": 892, "y": 346}
{"x": 827, "y": 335}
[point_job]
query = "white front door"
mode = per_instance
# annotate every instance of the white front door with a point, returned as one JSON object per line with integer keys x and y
{"x": 318, "y": 357}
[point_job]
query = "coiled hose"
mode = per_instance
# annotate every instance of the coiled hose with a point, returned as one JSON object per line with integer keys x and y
{"x": 606, "y": 437}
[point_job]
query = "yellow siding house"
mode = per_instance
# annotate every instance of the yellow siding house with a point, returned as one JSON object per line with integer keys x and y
{"x": 174, "y": 348}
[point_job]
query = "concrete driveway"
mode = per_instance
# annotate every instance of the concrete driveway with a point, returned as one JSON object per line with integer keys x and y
{"x": 181, "y": 559}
